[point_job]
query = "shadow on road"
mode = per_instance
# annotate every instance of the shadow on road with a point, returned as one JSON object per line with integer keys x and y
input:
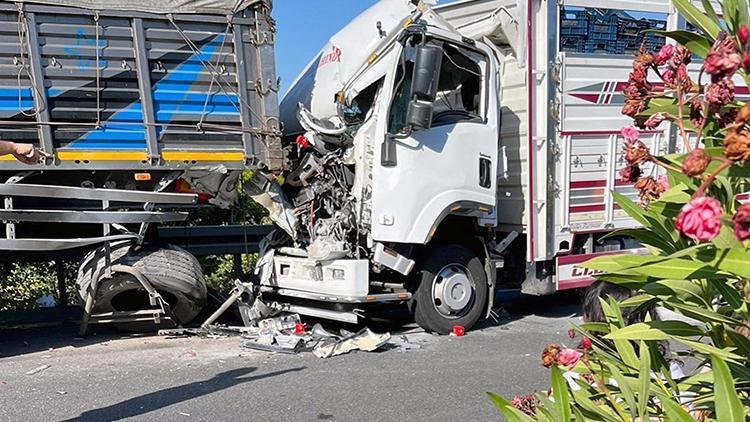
{"x": 160, "y": 399}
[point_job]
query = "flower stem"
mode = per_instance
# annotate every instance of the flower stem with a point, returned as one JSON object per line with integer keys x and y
{"x": 680, "y": 123}
{"x": 710, "y": 179}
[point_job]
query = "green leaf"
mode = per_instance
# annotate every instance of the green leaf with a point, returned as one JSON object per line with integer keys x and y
{"x": 696, "y": 43}
{"x": 728, "y": 404}
{"x": 732, "y": 260}
{"x": 634, "y": 211}
{"x": 675, "y": 412}
{"x": 625, "y": 389}
{"x": 626, "y": 352}
{"x": 710, "y": 12}
{"x": 511, "y": 413}
{"x": 644, "y": 378}
{"x": 729, "y": 293}
{"x": 582, "y": 399}
{"x": 693, "y": 15}
{"x": 655, "y": 330}
{"x": 709, "y": 350}
{"x": 560, "y": 393}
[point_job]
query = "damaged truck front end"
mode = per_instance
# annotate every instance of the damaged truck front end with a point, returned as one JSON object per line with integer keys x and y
{"x": 338, "y": 252}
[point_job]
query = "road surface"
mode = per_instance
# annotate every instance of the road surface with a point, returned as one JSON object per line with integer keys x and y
{"x": 108, "y": 376}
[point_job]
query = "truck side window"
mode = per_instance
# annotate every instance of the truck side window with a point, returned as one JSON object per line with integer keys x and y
{"x": 460, "y": 87}
{"x": 459, "y": 90}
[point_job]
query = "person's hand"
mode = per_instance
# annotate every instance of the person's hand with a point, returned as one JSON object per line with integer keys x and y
{"x": 26, "y": 153}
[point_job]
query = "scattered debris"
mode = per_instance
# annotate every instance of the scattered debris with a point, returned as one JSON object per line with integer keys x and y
{"x": 62, "y": 393}
{"x": 458, "y": 331}
{"x": 403, "y": 344}
{"x": 364, "y": 340}
{"x": 38, "y": 369}
{"x": 190, "y": 353}
{"x": 184, "y": 414}
{"x": 280, "y": 323}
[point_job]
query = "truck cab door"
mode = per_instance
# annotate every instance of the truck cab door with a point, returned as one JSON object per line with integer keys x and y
{"x": 447, "y": 163}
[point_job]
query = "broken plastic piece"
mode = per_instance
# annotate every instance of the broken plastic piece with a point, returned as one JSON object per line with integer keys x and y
{"x": 364, "y": 340}
{"x": 280, "y": 323}
{"x": 458, "y": 330}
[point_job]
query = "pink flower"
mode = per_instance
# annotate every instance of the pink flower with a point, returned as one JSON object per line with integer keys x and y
{"x": 723, "y": 59}
{"x": 663, "y": 181}
{"x": 668, "y": 76}
{"x": 664, "y": 54}
{"x": 569, "y": 357}
{"x": 741, "y": 222}
{"x": 696, "y": 113}
{"x": 630, "y": 133}
{"x": 683, "y": 79}
{"x": 699, "y": 219}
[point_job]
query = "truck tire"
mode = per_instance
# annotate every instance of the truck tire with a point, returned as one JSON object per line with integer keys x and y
{"x": 452, "y": 289}
{"x": 174, "y": 273}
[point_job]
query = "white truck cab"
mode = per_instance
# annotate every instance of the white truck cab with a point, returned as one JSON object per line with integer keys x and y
{"x": 437, "y": 151}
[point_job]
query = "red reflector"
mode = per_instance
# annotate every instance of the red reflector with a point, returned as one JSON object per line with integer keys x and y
{"x": 458, "y": 330}
{"x": 302, "y": 142}
{"x": 299, "y": 328}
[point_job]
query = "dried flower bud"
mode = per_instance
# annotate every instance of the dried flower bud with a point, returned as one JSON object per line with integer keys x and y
{"x": 696, "y": 162}
{"x": 727, "y": 118}
{"x": 682, "y": 79}
{"x": 571, "y": 334}
{"x": 746, "y": 63}
{"x": 550, "y": 355}
{"x": 526, "y": 404}
{"x": 741, "y": 222}
{"x": 586, "y": 343}
{"x": 636, "y": 152}
{"x": 665, "y": 53}
{"x": 682, "y": 56}
{"x": 655, "y": 120}
{"x": 633, "y": 108}
{"x": 668, "y": 76}
{"x": 743, "y": 116}
{"x": 723, "y": 59}
{"x": 720, "y": 93}
{"x": 696, "y": 113}
{"x": 630, "y": 173}
{"x": 737, "y": 146}
{"x": 649, "y": 189}
{"x": 743, "y": 34}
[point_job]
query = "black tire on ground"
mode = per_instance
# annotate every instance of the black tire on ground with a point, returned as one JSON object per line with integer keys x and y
{"x": 455, "y": 274}
{"x": 174, "y": 273}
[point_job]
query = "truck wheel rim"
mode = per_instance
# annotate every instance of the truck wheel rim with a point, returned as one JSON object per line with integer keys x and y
{"x": 453, "y": 291}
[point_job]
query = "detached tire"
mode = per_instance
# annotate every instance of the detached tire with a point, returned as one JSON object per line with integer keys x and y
{"x": 452, "y": 289}
{"x": 174, "y": 273}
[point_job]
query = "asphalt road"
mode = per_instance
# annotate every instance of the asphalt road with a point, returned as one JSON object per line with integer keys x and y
{"x": 110, "y": 377}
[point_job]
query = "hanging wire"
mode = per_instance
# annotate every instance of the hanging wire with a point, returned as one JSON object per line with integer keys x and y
{"x": 23, "y": 46}
{"x": 213, "y": 76}
{"x": 210, "y": 68}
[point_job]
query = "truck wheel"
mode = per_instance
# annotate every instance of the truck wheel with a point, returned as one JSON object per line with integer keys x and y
{"x": 452, "y": 289}
{"x": 174, "y": 273}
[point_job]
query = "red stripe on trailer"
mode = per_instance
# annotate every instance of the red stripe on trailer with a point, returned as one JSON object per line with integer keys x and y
{"x": 575, "y": 283}
{"x": 743, "y": 196}
{"x": 606, "y": 132}
{"x": 585, "y": 184}
{"x": 586, "y": 208}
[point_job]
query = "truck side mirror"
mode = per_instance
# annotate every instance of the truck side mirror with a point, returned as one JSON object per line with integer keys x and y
{"x": 424, "y": 86}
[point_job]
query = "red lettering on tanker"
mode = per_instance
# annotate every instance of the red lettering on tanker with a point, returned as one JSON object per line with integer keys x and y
{"x": 333, "y": 56}
{"x": 585, "y": 272}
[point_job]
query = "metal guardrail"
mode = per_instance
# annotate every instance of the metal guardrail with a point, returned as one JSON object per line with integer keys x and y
{"x": 216, "y": 240}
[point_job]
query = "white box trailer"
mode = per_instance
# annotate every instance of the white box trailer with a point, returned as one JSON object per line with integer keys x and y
{"x": 411, "y": 112}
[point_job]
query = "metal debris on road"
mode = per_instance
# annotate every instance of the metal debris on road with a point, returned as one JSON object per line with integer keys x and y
{"x": 38, "y": 369}
{"x": 403, "y": 344}
{"x": 364, "y": 340}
